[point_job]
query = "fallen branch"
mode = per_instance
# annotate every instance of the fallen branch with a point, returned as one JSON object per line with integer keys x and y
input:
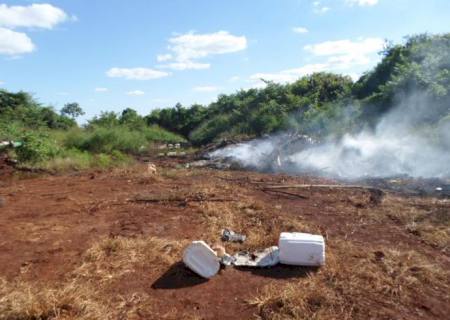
{"x": 375, "y": 194}
{"x": 177, "y": 199}
{"x": 286, "y": 193}
{"x": 328, "y": 186}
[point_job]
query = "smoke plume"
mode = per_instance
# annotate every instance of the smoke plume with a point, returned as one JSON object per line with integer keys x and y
{"x": 409, "y": 140}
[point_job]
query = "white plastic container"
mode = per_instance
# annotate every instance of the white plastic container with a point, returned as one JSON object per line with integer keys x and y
{"x": 201, "y": 259}
{"x": 301, "y": 249}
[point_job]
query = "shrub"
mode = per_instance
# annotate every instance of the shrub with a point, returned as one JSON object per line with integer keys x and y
{"x": 36, "y": 146}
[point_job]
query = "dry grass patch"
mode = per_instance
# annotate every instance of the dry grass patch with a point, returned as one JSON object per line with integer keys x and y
{"x": 23, "y": 301}
{"x": 355, "y": 283}
{"x": 112, "y": 258}
{"x": 258, "y": 221}
{"x": 88, "y": 294}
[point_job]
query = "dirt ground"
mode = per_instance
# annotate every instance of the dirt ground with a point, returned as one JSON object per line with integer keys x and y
{"x": 107, "y": 245}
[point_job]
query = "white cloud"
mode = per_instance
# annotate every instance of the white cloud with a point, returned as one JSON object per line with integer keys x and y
{"x": 234, "y": 79}
{"x": 206, "y": 88}
{"x": 136, "y": 73}
{"x": 300, "y": 30}
{"x": 101, "y": 90}
{"x": 339, "y": 56}
{"x": 14, "y": 43}
{"x": 135, "y": 93}
{"x": 344, "y": 54}
{"x": 2, "y": 83}
{"x": 289, "y": 75}
{"x": 318, "y": 8}
{"x": 187, "y": 65}
{"x": 163, "y": 57}
{"x": 361, "y": 3}
{"x": 39, "y": 15}
{"x": 189, "y": 47}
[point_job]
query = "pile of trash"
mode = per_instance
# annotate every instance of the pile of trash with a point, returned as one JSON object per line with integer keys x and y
{"x": 294, "y": 248}
{"x": 4, "y": 145}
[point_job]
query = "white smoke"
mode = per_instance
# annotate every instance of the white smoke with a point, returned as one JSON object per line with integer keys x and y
{"x": 399, "y": 145}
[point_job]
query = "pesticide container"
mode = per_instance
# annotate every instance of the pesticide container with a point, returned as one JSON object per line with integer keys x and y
{"x": 201, "y": 259}
{"x": 301, "y": 249}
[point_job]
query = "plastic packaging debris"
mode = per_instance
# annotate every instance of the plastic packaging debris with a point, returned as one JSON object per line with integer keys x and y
{"x": 10, "y": 144}
{"x": 230, "y": 235}
{"x": 151, "y": 169}
{"x": 227, "y": 260}
{"x": 262, "y": 258}
{"x": 201, "y": 259}
{"x": 301, "y": 249}
{"x": 219, "y": 250}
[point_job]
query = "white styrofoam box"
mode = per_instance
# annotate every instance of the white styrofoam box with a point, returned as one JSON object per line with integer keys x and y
{"x": 301, "y": 249}
{"x": 201, "y": 259}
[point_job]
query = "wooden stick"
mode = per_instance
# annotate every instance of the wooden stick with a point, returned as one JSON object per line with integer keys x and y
{"x": 286, "y": 193}
{"x": 327, "y": 186}
{"x": 143, "y": 199}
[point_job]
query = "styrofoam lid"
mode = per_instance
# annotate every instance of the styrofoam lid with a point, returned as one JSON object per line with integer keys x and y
{"x": 301, "y": 236}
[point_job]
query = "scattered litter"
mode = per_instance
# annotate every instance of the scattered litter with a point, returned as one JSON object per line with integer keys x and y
{"x": 151, "y": 169}
{"x": 301, "y": 249}
{"x": 294, "y": 248}
{"x": 177, "y": 146}
{"x": 201, "y": 259}
{"x": 227, "y": 260}
{"x": 219, "y": 250}
{"x": 230, "y": 235}
{"x": 438, "y": 189}
{"x": 9, "y": 144}
{"x": 261, "y": 258}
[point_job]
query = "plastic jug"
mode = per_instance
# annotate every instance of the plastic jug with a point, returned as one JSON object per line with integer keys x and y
{"x": 201, "y": 259}
{"x": 301, "y": 249}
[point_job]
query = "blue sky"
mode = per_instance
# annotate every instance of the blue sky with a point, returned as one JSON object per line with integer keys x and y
{"x": 144, "y": 54}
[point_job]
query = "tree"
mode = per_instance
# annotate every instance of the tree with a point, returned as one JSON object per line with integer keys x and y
{"x": 72, "y": 110}
{"x": 131, "y": 118}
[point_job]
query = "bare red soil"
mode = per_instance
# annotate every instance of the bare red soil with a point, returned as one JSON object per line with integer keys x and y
{"x": 47, "y": 224}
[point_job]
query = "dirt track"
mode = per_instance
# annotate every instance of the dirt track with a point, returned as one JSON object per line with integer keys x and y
{"x": 48, "y": 223}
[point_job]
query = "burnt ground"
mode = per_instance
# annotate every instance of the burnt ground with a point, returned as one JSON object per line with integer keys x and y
{"x": 108, "y": 245}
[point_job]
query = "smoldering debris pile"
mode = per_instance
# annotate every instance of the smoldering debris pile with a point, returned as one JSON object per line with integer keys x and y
{"x": 404, "y": 143}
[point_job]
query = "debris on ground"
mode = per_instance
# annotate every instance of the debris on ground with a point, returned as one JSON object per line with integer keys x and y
{"x": 227, "y": 260}
{"x": 9, "y": 144}
{"x": 219, "y": 250}
{"x": 268, "y": 257}
{"x": 151, "y": 169}
{"x": 231, "y": 236}
{"x": 294, "y": 248}
{"x": 201, "y": 259}
{"x": 301, "y": 249}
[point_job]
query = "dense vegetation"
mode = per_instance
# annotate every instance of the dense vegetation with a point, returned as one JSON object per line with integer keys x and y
{"x": 319, "y": 104}
{"x": 55, "y": 141}
{"x": 323, "y": 103}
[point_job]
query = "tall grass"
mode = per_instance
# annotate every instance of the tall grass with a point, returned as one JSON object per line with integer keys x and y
{"x": 118, "y": 138}
{"x": 82, "y": 148}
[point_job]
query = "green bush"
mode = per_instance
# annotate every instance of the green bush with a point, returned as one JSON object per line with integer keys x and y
{"x": 36, "y": 146}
